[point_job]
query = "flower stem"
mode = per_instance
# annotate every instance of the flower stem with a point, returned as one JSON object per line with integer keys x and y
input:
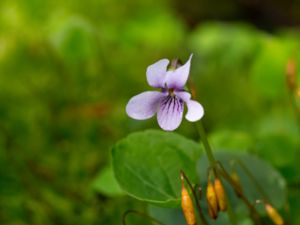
{"x": 253, "y": 213}
{"x": 255, "y": 182}
{"x": 213, "y": 162}
{"x": 205, "y": 142}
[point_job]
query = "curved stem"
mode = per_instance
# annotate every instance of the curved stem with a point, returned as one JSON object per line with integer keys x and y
{"x": 253, "y": 212}
{"x": 140, "y": 214}
{"x": 252, "y": 178}
{"x": 212, "y": 162}
{"x": 206, "y": 145}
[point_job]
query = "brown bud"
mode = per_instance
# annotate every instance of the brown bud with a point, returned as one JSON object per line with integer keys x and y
{"x": 187, "y": 206}
{"x": 298, "y": 92}
{"x": 221, "y": 197}
{"x": 274, "y": 215}
{"x": 291, "y": 74}
{"x": 237, "y": 183}
{"x": 212, "y": 203}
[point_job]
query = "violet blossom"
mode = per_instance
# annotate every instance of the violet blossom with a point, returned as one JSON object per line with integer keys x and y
{"x": 169, "y": 102}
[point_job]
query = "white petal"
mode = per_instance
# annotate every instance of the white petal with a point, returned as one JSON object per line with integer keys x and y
{"x": 170, "y": 113}
{"x": 156, "y": 73}
{"x": 144, "y": 105}
{"x": 195, "y": 111}
{"x": 177, "y": 78}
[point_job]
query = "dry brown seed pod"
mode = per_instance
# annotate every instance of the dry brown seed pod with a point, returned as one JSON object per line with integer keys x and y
{"x": 236, "y": 179}
{"x": 291, "y": 74}
{"x": 187, "y": 206}
{"x": 221, "y": 196}
{"x": 274, "y": 215}
{"x": 298, "y": 92}
{"x": 212, "y": 202}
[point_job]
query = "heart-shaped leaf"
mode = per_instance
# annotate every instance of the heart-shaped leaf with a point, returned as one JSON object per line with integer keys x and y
{"x": 147, "y": 165}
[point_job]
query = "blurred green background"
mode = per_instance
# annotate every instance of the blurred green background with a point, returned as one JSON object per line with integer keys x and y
{"x": 68, "y": 68}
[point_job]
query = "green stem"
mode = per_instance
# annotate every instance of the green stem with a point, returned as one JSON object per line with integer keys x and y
{"x": 253, "y": 213}
{"x": 212, "y": 162}
{"x": 205, "y": 142}
{"x": 255, "y": 182}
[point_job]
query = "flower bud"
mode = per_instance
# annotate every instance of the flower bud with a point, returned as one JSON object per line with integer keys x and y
{"x": 291, "y": 74}
{"x": 298, "y": 93}
{"x": 187, "y": 206}
{"x": 221, "y": 197}
{"x": 237, "y": 183}
{"x": 274, "y": 215}
{"x": 212, "y": 202}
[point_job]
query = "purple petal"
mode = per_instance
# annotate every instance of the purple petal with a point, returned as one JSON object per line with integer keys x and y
{"x": 156, "y": 73}
{"x": 177, "y": 78}
{"x": 195, "y": 111}
{"x": 170, "y": 113}
{"x": 185, "y": 96}
{"x": 144, "y": 105}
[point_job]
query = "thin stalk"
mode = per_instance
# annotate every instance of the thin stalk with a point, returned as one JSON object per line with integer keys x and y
{"x": 206, "y": 145}
{"x": 140, "y": 214}
{"x": 252, "y": 178}
{"x": 253, "y": 212}
{"x": 212, "y": 162}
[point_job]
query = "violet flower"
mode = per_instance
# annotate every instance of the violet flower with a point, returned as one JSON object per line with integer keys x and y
{"x": 169, "y": 102}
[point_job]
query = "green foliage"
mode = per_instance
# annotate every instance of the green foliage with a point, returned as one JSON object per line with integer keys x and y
{"x": 258, "y": 179}
{"x": 67, "y": 69}
{"x": 269, "y": 68}
{"x": 147, "y": 165}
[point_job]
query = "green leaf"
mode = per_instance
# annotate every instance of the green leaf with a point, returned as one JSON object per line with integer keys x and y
{"x": 105, "y": 183}
{"x": 269, "y": 184}
{"x": 147, "y": 165}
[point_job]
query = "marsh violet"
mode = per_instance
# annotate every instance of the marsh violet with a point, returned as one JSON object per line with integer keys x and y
{"x": 168, "y": 103}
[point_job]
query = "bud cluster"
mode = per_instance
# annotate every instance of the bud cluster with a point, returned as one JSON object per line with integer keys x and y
{"x": 216, "y": 198}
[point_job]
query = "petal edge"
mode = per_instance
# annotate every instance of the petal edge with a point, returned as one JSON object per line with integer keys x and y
{"x": 156, "y": 73}
{"x": 144, "y": 105}
{"x": 195, "y": 111}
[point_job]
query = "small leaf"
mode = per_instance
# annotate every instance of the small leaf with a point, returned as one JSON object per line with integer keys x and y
{"x": 147, "y": 165}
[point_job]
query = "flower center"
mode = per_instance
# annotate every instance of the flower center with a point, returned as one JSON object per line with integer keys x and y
{"x": 171, "y": 92}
